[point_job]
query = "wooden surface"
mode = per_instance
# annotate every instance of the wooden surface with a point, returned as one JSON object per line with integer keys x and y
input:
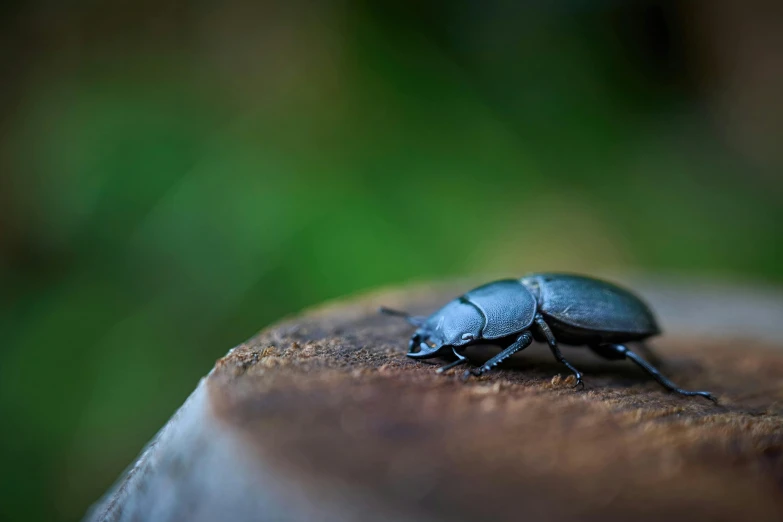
{"x": 324, "y": 418}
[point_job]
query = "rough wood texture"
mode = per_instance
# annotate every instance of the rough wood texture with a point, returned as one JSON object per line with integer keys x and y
{"x": 324, "y": 418}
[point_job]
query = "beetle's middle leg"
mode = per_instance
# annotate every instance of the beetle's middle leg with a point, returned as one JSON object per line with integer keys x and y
{"x": 552, "y": 342}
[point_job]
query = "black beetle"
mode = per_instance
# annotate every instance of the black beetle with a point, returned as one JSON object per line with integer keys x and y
{"x": 566, "y": 308}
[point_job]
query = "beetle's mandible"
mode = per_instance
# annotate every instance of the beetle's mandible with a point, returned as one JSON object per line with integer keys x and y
{"x": 549, "y": 307}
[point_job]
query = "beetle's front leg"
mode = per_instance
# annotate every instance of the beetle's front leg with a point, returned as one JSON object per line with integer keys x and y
{"x": 461, "y": 359}
{"x": 522, "y": 342}
{"x": 414, "y": 342}
{"x": 552, "y": 342}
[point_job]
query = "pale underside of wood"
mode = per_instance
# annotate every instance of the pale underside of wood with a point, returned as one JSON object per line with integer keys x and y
{"x": 324, "y": 418}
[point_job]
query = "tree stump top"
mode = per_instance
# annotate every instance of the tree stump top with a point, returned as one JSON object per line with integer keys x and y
{"x": 323, "y": 417}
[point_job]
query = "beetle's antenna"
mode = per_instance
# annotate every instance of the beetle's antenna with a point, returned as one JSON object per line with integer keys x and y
{"x": 414, "y": 320}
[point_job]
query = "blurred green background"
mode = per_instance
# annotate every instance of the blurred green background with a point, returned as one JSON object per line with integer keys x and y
{"x": 175, "y": 176}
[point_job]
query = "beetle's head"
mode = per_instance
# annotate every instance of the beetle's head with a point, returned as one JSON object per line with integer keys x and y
{"x": 426, "y": 342}
{"x": 456, "y": 324}
{"x": 423, "y": 345}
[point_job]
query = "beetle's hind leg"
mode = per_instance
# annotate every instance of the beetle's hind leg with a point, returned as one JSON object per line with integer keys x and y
{"x": 650, "y": 355}
{"x": 618, "y": 352}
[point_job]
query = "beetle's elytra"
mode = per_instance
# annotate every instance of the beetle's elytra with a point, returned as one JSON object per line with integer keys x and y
{"x": 552, "y": 308}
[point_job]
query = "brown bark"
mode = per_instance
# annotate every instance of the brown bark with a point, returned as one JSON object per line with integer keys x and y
{"x": 331, "y": 421}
